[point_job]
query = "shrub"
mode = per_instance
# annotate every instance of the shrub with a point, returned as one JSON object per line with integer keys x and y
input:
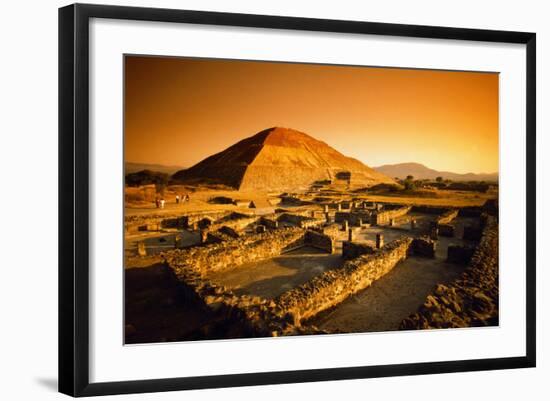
{"x": 147, "y": 177}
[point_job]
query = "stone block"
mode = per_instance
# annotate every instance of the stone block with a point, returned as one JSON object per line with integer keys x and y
{"x": 424, "y": 246}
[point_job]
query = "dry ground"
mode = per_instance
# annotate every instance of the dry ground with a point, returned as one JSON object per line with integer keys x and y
{"x": 200, "y": 199}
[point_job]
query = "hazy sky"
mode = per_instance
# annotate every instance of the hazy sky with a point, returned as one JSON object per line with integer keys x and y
{"x": 179, "y": 111}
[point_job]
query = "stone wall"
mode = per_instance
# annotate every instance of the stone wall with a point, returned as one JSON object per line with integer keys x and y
{"x": 251, "y": 316}
{"x": 235, "y": 252}
{"x": 301, "y": 220}
{"x": 292, "y": 218}
{"x": 158, "y": 221}
{"x": 190, "y": 220}
{"x": 423, "y": 246}
{"x": 270, "y": 222}
{"x": 384, "y": 216}
{"x": 471, "y": 300}
{"x": 230, "y": 231}
{"x": 312, "y": 223}
{"x": 334, "y": 286}
{"x": 331, "y": 230}
{"x": 320, "y": 241}
{"x": 354, "y": 218}
{"x": 447, "y": 217}
{"x": 352, "y": 250}
{"x": 215, "y": 237}
{"x": 235, "y": 221}
{"x": 340, "y": 217}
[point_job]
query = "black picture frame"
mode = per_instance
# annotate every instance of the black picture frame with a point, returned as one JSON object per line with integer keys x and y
{"x": 74, "y": 198}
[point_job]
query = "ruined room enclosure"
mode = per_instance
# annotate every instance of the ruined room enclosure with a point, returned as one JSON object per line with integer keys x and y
{"x": 322, "y": 268}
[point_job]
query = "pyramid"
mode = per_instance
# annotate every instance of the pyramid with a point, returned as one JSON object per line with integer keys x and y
{"x": 280, "y": 159}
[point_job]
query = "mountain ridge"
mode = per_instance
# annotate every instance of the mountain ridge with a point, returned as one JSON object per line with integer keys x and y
{"x": 134, "y": 167}
{"x": 420, "y": 171}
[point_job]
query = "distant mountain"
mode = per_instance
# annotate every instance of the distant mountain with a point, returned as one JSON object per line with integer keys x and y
{"x": 280, "y": 158}
{"x": 421, "y": 172}
{"x": 131, "y": 167}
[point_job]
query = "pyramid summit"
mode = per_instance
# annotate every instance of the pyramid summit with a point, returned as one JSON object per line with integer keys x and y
{"x": 279, "y": 159}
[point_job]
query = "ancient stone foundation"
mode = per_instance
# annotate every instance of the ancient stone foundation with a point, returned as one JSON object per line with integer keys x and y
{"x": 423, "y": 246}
{"x": 302, "y": 221}
{"x": 332, "y": 230}
{"x": 472, "y": 299}
{"x": 269, "y": 222}
{"x": 235, "y": 252}
{"x": 283, "y": 315}
{"x": 215, "y": 237}
{"x": 319, "y": 241}
{"x": 384, "y": 216}
{"x": 155, "y": 222}
{"x": 352, "y": 250}
{"x": 447, "y": 217}
{"x": 332, "y": 287}
{"x": 234, "y": 221}
{"x": 364, "y": 262}
{"x": 355, "y": 218}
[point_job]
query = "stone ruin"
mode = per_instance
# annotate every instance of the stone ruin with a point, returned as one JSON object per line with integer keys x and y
{"x": 473, "y": 299}
{"x": 286, "y": 314}
{"x": 229, "y": 240}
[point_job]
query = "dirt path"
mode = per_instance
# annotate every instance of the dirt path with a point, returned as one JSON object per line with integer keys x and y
{"x": 383, "y": 306}
{"x": 389, "y": 300}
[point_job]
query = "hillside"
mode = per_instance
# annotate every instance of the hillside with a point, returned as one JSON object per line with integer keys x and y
{"x": 131, "y": 167}
{"x": 421, "y": 172}
{"x": 278, "y": 159}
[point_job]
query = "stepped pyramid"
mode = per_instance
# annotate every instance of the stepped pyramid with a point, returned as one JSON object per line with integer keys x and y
{"x": 280, "y": 159}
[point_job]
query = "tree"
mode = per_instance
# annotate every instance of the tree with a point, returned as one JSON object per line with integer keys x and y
{"x": 439, "y": 179}
{"x": 409, "y": 183}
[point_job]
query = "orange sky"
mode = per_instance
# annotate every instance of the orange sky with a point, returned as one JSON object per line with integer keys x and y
{"x": 179, "y": 111}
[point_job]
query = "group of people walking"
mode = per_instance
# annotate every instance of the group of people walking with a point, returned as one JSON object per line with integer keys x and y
{"x": 184, "y": 198}
{"x": 161, "y": 202}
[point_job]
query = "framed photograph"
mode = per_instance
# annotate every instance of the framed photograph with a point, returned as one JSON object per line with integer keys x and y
{"x": 251, "y": 199}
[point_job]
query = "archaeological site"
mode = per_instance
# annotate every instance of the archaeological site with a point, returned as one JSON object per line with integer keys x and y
{"x": 281, "y": 235}
{"x": 272, "y": 199}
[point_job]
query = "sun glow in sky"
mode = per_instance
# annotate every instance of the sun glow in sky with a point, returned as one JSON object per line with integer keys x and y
{"x": 179, "y": 111}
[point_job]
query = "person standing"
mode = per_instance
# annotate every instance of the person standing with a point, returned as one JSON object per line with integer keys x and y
{"x": 177, "y": 199}
{"x": 162, "y": 201}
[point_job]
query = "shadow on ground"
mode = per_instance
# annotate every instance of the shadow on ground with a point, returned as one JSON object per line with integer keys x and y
{"x": 155, "y": 310}
{"x": 49, "y": 383}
